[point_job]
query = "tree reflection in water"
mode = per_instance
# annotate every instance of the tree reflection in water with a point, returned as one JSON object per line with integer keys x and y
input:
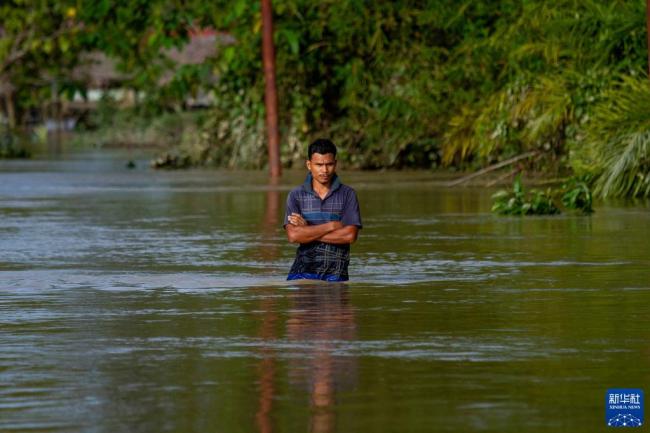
{"x": 267, "y": 367}
{"x": 268, "y": 251}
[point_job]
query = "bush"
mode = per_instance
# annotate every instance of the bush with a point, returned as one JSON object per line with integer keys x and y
{"x": 616, "y": 146}
{"x": 575, "y": 196}
{"x": 518, "y": 202}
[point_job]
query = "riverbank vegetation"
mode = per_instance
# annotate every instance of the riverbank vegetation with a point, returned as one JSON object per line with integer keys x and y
{"x": 434, "y": 84}
{"x": 574, "y": 194}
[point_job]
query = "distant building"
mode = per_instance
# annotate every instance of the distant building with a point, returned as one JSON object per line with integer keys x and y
{"x": 102, "y": 76}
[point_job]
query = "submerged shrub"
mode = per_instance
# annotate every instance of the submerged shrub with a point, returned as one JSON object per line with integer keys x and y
{"x": 518, "y": 202}
{"x": 577, "y": 195}
{"x": 574, "y": 194}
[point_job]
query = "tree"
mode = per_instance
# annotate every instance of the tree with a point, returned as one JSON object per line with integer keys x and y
{"x": 37, "y": 40}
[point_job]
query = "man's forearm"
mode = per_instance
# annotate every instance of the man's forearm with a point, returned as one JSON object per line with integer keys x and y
{"x": 307, "y": 234}
{"x": 344, "y": 235}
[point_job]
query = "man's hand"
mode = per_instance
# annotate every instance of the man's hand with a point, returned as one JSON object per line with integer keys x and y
{"x": 332, "y": 232}
{"x": 298, "y": 231}
{"x": 341, "y": 236}
{"x": 297, "y": 220}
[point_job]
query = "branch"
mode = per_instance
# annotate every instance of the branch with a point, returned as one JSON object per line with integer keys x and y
{"x": 492, "y": 168}
{"x": 504, "y": 177}
{"x": 17, "y": 52}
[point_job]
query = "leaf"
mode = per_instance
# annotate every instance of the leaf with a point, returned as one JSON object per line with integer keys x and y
{"x": 64, "y": 44}
{"x": 292, "y": 38}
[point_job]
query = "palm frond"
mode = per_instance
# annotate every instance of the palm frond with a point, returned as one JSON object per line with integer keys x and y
{"x": 618, "y": 137}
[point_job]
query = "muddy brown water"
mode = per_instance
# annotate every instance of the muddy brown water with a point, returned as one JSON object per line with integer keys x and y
{"x": 155, "y": 301}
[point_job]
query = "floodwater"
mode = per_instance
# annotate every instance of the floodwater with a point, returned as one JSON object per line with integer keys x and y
{"x": 155, "y": 301}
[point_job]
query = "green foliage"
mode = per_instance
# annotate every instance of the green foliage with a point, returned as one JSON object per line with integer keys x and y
{"x": 616, "y": 145}
{"x": 404, "y": 83}
{"x": 42, "y": 42}
{"x": 112, "y": 127}
{"x": 436, "y": 83}
{"x": 37, "y": 39}
{"x": 574, "y": 194}
{"x": 519, "y": 202}
{"x": 547, "y": 64}
{"x": 135, "y": 32}
{"x": 365, "y": 74}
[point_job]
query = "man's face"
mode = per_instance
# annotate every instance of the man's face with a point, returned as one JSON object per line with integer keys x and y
{"x": 322, "y": 167}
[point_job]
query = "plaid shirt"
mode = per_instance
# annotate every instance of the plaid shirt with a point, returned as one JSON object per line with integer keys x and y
{"x": 319, "y": 260}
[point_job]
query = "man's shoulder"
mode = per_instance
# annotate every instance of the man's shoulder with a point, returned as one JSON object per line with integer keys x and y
{"x": 297, "y": 191}
{"x": 347, "y": 189}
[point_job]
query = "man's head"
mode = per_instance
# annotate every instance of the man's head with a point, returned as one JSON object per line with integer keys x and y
{"x": 321, "y": 161}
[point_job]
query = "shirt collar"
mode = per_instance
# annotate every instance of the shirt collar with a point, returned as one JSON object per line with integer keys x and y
{"x": 307, "y": 186}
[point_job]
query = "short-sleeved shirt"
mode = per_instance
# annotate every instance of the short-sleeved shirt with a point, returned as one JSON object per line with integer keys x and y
{"x": 319, "y": 260}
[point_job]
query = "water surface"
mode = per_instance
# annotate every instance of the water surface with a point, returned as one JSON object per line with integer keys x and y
{"x": 155, "y": 301}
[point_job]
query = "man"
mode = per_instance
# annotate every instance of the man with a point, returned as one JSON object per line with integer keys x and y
{"x": 323, "y": 217}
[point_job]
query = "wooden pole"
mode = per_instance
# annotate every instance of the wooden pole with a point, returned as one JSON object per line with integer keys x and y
{"x": 270, "y": 94}
{"x": 647, "y": 15}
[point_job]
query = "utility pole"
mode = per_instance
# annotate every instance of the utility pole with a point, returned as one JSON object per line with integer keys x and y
{"x": 647, "y": 15}
{"x": 270, "y": 94}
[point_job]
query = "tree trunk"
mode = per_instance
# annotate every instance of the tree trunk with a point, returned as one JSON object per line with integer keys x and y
{"x": 647, "y": 14}
{"x": 270, "y": 94}
{"x": 10, "y": 109}
{"x": 6, "y": 99}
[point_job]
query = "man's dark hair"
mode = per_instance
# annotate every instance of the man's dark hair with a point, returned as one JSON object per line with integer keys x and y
{"x": 322, "y": 146}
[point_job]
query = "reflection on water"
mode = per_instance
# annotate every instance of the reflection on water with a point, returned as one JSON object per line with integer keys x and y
{"x": 268, "y": 250}
{"x": 147, "y": 301}
{"x": 320, "y": 317}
